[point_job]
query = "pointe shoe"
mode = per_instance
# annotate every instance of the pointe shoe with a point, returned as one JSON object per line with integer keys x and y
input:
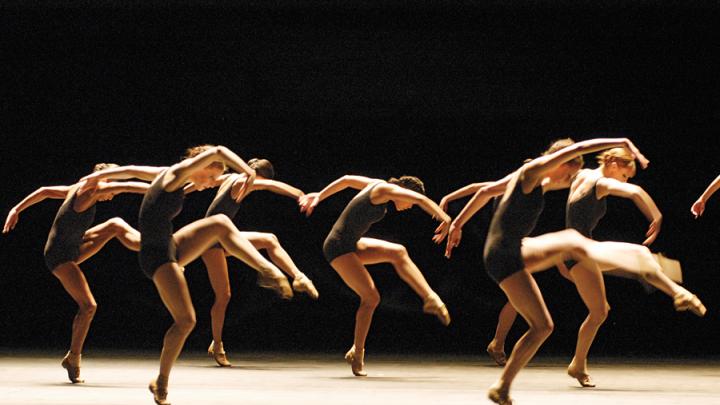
{"x": 73, "y": 372}
{"x": 687, "y": 301}
{"x": 497, "y": 355}
{"x": 303, "y": 284}
{"x": 434, "y": 306}
{"x": 277, "y": 283}
{"x": 499, "y": 397}
{"x": 582, "y": 378}
{"x": 158, "y": 388}
{"x": 357, "y": 364}
{"x": 219, "y": 355}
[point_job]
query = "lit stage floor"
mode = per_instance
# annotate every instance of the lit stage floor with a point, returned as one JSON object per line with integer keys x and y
{"x": 303, "y": 379}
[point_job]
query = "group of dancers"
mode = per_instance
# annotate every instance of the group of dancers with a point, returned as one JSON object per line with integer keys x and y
{"x": 510, "y": 256}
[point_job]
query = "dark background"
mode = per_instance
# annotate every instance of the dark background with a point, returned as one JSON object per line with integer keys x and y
{"x": 451, "y": 91}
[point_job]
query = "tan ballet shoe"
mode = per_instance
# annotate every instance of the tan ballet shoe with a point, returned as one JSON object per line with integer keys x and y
{"x": 303, "y": 284}
{"x": 434, "y": 306}
{"x": 686, "y": 301}
{"x": 498, "y": 356}
{"x": 73, "y": 371}
{"x": 277, "y": 283}
{"x": 356, "y": 362}
{"x": 499, "y": 397}
{"x": 219, "y": 355}
{"x": 582, "y": 378}
{"x": 158, "y": 388}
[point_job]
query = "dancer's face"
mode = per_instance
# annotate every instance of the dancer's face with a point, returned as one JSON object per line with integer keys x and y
{"x": 563, "y": 175}
{"x": 206, "y": 177}
{"x": 619, "y": 172}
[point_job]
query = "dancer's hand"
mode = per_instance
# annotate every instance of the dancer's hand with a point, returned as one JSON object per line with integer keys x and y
{"x": 698, "y": 208}
{"x": 308, "y": 202}
{"x": 11, "y": 220}
{"x": 441, "y": 232}
{"x": 454, "y": 236}
{"x": 653, "y": 231}
{"x": 642, "y": 160}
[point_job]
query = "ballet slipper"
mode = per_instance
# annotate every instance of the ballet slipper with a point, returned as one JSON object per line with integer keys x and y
{"x": 158, "y": 388}
{"x": 277, "y": 283}
{"x": 684, "y": 301}
{"x": 501, "y": 397}
{"x": 73, "y": 370}
{"x": 356, "y": 361}
{"x": 497, "y": 355}
{"x": 303, "y": 284}
{"x": 219, "y": 354}
{"x": 434, "y": 306}
{"x": 582, "y": 378}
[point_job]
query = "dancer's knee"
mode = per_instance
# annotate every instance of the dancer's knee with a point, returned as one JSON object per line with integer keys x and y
{"x": 223, "y": 298}
{"x": 186, "y": 323}
{"x": 598, "y": 315}
{"x": 543, "y": 327}
{"x": 370, "y": 300}
{"x": 398, "y": 254}
{"x": 222, "y": 221}
{"x": 87, "y": 309}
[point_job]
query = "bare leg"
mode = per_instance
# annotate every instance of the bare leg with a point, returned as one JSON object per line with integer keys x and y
{"x": 496, "y": 348}
{"x": 173, "y": 290}
{"x": 278, "y": 255}
{"x": 217, "y": 270}
{"x": 194, "y": 239}
{"x": 96, "y": 237}
{"x": 74, "y": 282}
{"x": 524, "y": 295}
{"x": 355, "y": 275}
{"x": 371, "y": 251}
{"x": 591, "y": 286}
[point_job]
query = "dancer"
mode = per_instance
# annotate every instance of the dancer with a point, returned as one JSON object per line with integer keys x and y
{"x": 70, "y": 243}
{"x": 698, "y": 207}
{"x": 227, "y": 201}
{"x": 510, "y": 256}
{"x": 586, "y": 206}
{"x": 348, "y": 251}
{"x": 163, "y": 254}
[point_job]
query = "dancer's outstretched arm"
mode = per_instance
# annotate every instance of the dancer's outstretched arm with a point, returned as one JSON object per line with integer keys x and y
{"x": 470, "y": 189}
{"x": 538, "y": 168}
{"x": 481, "y": 197}
{"x": 56, "y": 192}
{"x": 608, "y": 186}
{"x": 278, "y": 187}
{"x": 699, "y": 206}
{"x": 309, "y": 201}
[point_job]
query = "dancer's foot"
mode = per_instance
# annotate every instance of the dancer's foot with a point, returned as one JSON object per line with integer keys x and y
{"x": 581, "y": 376}
{"x": 499, "y": 395}
{"x": 356, "y": 360}
{"x": 684, "y": 301}
{"x": 217, "y": 352}
{"x": 498, "y": 355}
{"x": 303, "y": 284}
{"x": 71, "y": 363}
{"x": 434, "y": 306}
{"x": 276, "y": 282}
{"x": 158, "y": 387}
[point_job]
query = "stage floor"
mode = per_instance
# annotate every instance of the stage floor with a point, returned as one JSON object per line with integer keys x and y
{"x": 302, "y": 379}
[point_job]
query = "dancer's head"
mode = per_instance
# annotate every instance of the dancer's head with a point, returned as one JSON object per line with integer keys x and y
{"x": 204, "y": 177}
{"x": 564, "y": 173}
{"x": 263, "y": 168}
{"x": 411, "y": 183}
{"x": 97, "y": 168}
{"x": 617, "y": 163}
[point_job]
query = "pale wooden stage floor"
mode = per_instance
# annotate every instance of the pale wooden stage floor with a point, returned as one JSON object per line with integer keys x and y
{"x": 303, "y": 379}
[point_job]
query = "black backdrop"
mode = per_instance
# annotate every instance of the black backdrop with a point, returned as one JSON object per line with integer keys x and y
{"x": 453, "y": 92}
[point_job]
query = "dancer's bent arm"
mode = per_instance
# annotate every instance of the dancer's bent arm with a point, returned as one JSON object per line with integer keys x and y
{"x": 608, "y": 186}
{"x": 56, "y": 192}
{"x": 699, "y": 206}
{"x": 309, "y": 201}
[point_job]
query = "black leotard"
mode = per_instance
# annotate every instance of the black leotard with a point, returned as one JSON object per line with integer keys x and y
{"x": 352, "y": 224}
{"x": 66, "y": 234}
{"x": 157, "y": 211}
{"x": 224, "y": 203}
{"x": 584, "y": 213}
{"x": 514, "y": 219}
